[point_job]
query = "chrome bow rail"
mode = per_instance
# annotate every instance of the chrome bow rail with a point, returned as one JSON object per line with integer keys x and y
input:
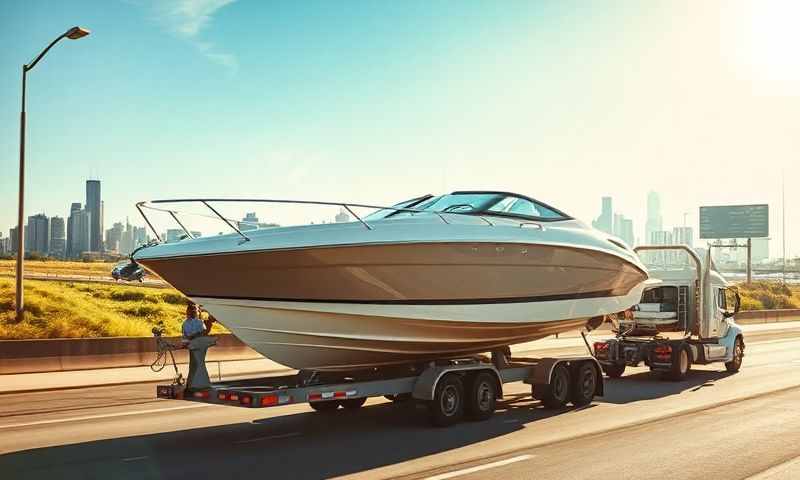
{"x": 151, "y": 205}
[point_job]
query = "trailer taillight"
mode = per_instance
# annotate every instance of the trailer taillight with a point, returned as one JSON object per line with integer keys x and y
{"x": 663, "y": 352}
{"x": 200, "y": 394}
{"x": 245, "y": 399}
{"x": 340, "y": 395}
{"x": 601, "y": 350}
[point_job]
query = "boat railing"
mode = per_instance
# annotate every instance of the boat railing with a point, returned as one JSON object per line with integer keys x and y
{"x": 155, "y": 206}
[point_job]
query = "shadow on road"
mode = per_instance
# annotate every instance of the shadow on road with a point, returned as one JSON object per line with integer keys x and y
{"x": 301, "y": 445}
{"x": 647, "y": 386}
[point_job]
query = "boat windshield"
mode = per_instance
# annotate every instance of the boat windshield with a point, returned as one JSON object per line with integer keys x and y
{"x": 488, "y": 203}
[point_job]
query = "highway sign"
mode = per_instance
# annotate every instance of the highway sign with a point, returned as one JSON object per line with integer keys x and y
{"x": 734, "y": 221}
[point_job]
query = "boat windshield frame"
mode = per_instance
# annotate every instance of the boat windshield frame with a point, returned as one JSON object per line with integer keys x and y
{"x": 482, "y": 212}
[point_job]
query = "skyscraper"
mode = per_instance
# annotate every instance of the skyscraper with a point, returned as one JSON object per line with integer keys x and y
{"x": 95, "y": 209}
{"x": 81, "y": 232}
{"x": 605, "y": 221}
{"x": 654, "y": 220}
{"x": 683, "y": 236}
{"x": 57, "y": 239}
{"x": 12, "y": 234}
{"x": 37, "y": 234}
{"x": 113, "y": 237}
{"x": 76, "y": 207}
{"x": 623, "y": 228}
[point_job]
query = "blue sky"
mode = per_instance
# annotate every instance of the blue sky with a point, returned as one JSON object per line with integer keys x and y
{"x": 377, "y": 101}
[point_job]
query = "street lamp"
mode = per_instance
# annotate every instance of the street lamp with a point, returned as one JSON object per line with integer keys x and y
{"x": 73, "y": 33}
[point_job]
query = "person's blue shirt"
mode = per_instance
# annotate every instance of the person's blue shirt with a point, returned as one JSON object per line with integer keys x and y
{"x": 191, "y": 327}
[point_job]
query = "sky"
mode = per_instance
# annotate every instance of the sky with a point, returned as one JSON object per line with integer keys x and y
{"x": 379, "y": 101}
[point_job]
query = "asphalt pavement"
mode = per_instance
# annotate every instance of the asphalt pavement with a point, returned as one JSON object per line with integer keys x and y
{"x": 713, "y": 425}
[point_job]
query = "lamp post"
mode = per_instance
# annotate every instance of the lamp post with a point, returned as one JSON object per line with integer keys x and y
{"x": 73, "y": 33}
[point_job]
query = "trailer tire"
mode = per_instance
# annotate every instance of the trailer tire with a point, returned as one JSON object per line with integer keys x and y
{"x": 681, "y": 364}
{"x": 326, "y": 406}
{"x": 447, "y": 406}
{"x": 481, "y": 398}
{"x": 738, "y": 353}
{"x": 353, "y": 403}
{"x": 556, "y": 393}
{"x": 584, "y": 384}
{"x": 614, "y": 371}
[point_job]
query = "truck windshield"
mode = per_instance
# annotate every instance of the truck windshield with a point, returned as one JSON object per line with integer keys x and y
{"x": 667, "y": 260}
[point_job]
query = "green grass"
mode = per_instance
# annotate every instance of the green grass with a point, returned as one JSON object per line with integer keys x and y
{"x": 77, "y": 310}
{"x": 60, "y": 267}
{"x": 769, "y": 295}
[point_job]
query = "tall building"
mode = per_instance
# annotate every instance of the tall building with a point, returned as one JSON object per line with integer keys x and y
{"x": 12, "y": 235}
{"x": 5, "y": 245}
{"x": 605, "y": 221}
{"x": 661, "y": 237}
{"x": 113, "y": 237}
{"x": 75, "y": 207}
{"x": 37, "y": 234}
{"x": 342, "y": 216}
{"x": 126, "y": 241}
{"x": 58, "y": 240}
{"x": 654, "y": 220}
{"x": 683, "y": 236}
{"x": 95, "y": 208}
{"x": 81, "y": 229}
{"x": 139, "y": 236}
{"x": 623, "y": 228}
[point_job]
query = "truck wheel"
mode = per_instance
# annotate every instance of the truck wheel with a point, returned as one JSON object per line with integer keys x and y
{"x": 353, "y": 403}
{"x": 447, "y": 406}
{"x": 738, "y": 353}
{"x": 614, "y": 371}
{"x": 327, "y": 406}
{"x": 481, "y": 398}
{"x": 583, "y": 385}
{"x": 556, "y": 393}
{"x": 681, "y": 364}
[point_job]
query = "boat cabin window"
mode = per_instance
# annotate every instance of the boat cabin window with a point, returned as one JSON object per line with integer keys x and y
{"x": 523, "y": 206}
{"x": 496, "y": 203}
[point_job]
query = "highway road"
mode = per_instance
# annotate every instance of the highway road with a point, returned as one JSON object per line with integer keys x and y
{"x": 713, "y": 425}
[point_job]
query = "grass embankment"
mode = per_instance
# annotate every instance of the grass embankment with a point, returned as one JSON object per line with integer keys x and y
{"x": 769, "y": 295}
{"x": 60, "y": 267}
{"x": 57, "y": 309}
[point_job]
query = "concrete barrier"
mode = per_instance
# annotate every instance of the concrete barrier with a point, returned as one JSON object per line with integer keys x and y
{"x": 52, "y": 355}
{"x": 768, "y": 316}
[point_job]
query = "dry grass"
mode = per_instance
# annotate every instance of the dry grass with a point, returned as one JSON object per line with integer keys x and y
{"x": 769, "y": 295}
{"x": 59, "y": 267}
{"x": 74, "y": 309}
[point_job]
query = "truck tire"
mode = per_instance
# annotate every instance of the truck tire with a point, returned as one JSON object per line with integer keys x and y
{"x": 556, "y": 393}
{"x": 584, "y": 384}
{"x": 326, "y": 406}
{"x": 447, "y": 406}
{"x": 353, "y": 403}
{"x": 614, "y": 371}
{"x": 481, "y": 397}
{"x": 681, "y": 364}
{"x": 738, "y": 353}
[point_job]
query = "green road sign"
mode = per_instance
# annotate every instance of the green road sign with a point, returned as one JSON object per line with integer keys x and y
{"x": 734, "y": 221}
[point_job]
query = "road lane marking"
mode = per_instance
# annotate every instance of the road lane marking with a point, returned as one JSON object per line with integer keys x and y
{"x": 777, "y": 471}
{"x": 479, "y": 468}
{"x": 107, "y": 415}
{"x": 271, "y": 437}
{"x": 133, "y": 459}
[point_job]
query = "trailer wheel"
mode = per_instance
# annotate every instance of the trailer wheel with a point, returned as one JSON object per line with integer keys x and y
{"x": 681, "y": 364}
{"x": 481, "y": 396}
{"x": 327, "y": 406}
{"x": 583, "y": 385}
{"x": 614, "y": 371}
{"x": 738, "y": 353}
{"x": 556, "y": 393}
{"x": 447, "y": 406}
{"x": 353, "y": 403}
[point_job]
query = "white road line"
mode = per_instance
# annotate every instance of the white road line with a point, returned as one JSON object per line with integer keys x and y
{"x": 107, "y": 415}
{"x": 272, "y": 437}
{"x": 133, "y": 459}
{"x": 779, "y": 471}
{"x": 479, "y": 468}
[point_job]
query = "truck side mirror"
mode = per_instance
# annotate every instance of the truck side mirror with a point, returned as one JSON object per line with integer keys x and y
{"x": 737, "y": 305}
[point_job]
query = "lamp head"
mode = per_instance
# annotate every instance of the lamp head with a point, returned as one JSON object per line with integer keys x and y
{"x": 75, "y": 33}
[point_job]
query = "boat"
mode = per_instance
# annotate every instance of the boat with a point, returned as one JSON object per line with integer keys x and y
{"x": 429, "y": 278}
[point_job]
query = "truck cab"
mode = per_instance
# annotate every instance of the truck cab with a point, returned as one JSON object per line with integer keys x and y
{"x": 686, "y": 317}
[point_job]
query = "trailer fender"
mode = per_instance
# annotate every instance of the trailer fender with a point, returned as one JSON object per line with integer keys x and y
{"x": 425, "y": 386}
{"x": 543, "y": 372}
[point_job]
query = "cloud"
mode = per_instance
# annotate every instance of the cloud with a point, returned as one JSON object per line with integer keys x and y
{"x": 186, "y": 19}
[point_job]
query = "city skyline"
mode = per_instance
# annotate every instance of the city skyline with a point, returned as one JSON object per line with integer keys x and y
{"x": 525, "y": 106}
